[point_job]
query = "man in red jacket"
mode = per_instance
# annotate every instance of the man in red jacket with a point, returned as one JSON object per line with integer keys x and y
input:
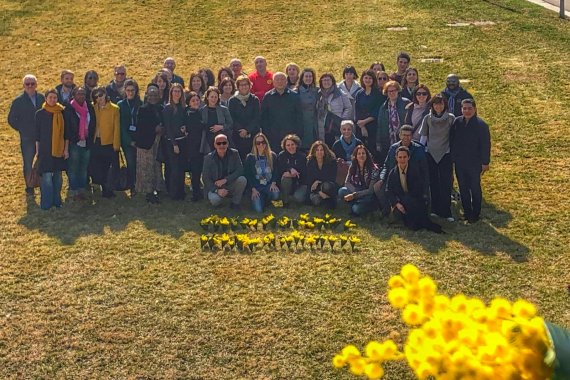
{"x": 261, "y": 79}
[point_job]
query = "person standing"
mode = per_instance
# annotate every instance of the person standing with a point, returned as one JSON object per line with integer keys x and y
{"x": 128, "y": 110}
{"x": 368, "y": 102}
{"x": 114, "y": 89}
{"x": 261, "y": 78}
{"x": 280, "y": 112}
{"x": 195, "y": 128}
{"x": 245, "y": 111}
{"x": 308, "y": 97}
{"x": 455, "y": 94}
{"x": 170, "y": 64}
{"x": 52, "y": 149}
{"x": 391, "y": 117}
{"x": 333, "y": 106}
{"x": 90, "y": 81}
{"x": 237, "y": 68}
{"x": 21, "y": 118}
{"x": 65, "y": 88}
{"x": 79, "y": 118}
{"x": 107, "y": 141}
{"x": 471, "y": 152}
{"x": 403, "y": 62}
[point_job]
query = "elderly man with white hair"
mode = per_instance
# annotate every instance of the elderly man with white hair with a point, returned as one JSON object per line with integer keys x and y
{"x": 280, "y": 112}
{"x": 22, "y": 118}
{"x": 170, "y": 64}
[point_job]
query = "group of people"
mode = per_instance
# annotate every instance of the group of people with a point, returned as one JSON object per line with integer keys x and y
{"x": 380, "y": 142}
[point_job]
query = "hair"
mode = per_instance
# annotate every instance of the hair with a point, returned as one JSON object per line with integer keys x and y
{"x": 210, "y": 90}
{"x": 402, "y": 148}
{"x": 279, "y": 74}
{"x": 377, "y": 63}
{"x": 421, "y": 87}
{"x": 330, "y": 75}
{"x": 162, "y": 75}
{"x": 405, "y": 81}
{"x": 347, "y": 122}
{"x": 202, "y": 83}
{"x": 209, "y": 74}
{"x": 469, "y": 101}
{"x": 223, "y": 83}
{"x": 66, "y": 72}
{"x": 291, "y": 137}
{"x": 404, "y": 55}
{"x": 76, "y": 89}
{"x": 30, "y": 76}
{"x": 289, "y": 65}
{"x": 132, "y": 82}
{"x": 438, "y": 99}
{"x": 329, "y": 155}
{"x": 369, "y": 163}
{"x": 406, "y": 128}
{"x": 90, "y": 73}
{"x": 384, "y": 73}
{"x": 242, "y": 78}
{"x": 168, "y": 73}
{"x": 189, "y": 95}
{"x": 371, "y": 73}
{"x": 349, "y": 69}
{"x": 226, "y": 70}
{"x": 99, "y": 90}
{"x": 180, "y": 103}
{"x": 50, "y": 91}
{"x": 117, "y": 67}
{"x": 391, "y": 83}
{"x": 266, "y": 152}
{"x": 308, "y": 70}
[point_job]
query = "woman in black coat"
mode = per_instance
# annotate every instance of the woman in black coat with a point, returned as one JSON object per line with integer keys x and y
{"x": 195, "y": 128}
{"x": 405, "y": 192}
{"x": 174, "y": 118}
{"x": 245, "y": 112}
{"x": 321, "y": 175}
{"x": 292, "y": 166}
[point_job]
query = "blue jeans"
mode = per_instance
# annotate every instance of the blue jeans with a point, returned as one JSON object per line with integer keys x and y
{"x": 264, "y": 195}
{"x": 360, "y": 206}
{"x": 50, "y": 190}
{"x": 77, "y": 168}
{"x": 28, "y": 148}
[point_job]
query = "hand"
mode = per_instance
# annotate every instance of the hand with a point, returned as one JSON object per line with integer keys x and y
{"x": 315, "y": 185}
{"x": 223, "y": 193}
{"x": 133, "y": 144}
{"x": 361, "y": 123}
{"x": 66, "y": 154}
{"x": 221, "y": 182}
{"x": 254, "y": 194}
{"x": 364, "y": 131}
{"x": 273, "y": 188}
{"x": 176, "y": 149}
{"x": 286, "y": 175}
{"x": 484, "y": 168}
{"x": 400, "y": 208}
{"x": 242, "y": 133}
{"x": 216, "y": 128}
{"x": 158, "y": 129}
{"x": 294, "y": 173}
{"x": 349, "y": 197}
{"x": 340, "y": 160}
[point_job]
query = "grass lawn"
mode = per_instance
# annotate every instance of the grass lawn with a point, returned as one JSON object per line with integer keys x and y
{"x": 120, "y": 289}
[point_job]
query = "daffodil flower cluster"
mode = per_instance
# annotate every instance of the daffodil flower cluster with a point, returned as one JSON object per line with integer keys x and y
{"x": 216, "y": 223}
{"x": 293, "y": 241}
{"x": 458, "y": 337}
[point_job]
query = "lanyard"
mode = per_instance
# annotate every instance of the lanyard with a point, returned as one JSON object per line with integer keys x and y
{"x": 132, "y": 111}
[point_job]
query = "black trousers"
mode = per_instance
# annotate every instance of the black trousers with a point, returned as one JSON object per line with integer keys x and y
{"x": 196, "y": 164}
{"x": 440, "y": 183}
{"x": 102, "y": 158}
{"x": 177, "y": 164}
{"x": 469, "y": 180}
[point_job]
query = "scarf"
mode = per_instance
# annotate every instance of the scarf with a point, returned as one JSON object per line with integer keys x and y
{"x": 348, "y": 148}
{"x": 323, "y": 103}
{"x": 57, "y": 139}
{"x": 242, "y": 98}
{"x": 82, "y": 111}
{"x": 393, "y": 122}
{"x": 450, "y": 95}
{"x": 361, "y": 179}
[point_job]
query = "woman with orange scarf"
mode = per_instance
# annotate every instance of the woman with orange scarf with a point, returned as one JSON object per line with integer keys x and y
{"x": 51, "y": 150}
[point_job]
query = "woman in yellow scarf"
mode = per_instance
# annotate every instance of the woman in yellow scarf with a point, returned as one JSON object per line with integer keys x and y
{"x": 51, "y": 150}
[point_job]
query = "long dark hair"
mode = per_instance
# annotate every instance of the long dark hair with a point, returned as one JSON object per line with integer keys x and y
{"x": 368, "y": 164}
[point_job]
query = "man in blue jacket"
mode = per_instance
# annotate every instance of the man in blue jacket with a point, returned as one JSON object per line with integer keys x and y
{"x": 22, "y": 117}
{"x": 470, "y": 143}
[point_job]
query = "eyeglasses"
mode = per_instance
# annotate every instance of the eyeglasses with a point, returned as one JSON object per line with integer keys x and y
{"x": 91, "y": 78}
{"x": 421, "y": 93}
{"x": 260, "y": 143}
{"x": 382, "y": 78}
{"x": 100, "y": 95}
{"x": 30, "y": 84}
{"x": 392, "y": 91}
{"x": 222, "y": 143}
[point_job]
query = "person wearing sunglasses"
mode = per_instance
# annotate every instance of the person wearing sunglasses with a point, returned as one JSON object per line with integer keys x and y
{"x": 222, "y": 174}
{"x": 418, "y": 109}
{"x": 21, "y": 118}
{"x": 90, "y": 81}
{"x": 260, "y": 170}
{"x": 105, "y": 150}
{"x": 115, "y": 89}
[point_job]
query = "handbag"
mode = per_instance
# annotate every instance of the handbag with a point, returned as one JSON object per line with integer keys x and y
{"x": 341, "y": 172}
{"x": 122, "y": 178}
{"x": 33, "y": 177}
{"x": 332, "y": 124}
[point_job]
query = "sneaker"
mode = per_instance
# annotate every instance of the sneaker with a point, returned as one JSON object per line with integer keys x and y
{"x": 433, "y": 215}
{"x": 450, "y": 219}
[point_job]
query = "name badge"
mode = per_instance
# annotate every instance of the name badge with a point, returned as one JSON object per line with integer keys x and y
{"x": 133, "y": 128}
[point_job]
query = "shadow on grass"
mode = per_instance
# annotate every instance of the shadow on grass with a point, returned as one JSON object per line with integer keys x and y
{"x": 175, "y": 218}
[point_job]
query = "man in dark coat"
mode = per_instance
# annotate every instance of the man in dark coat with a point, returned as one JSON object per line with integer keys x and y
{"x": 22, "y": 118}
{"x": 454, "y": 94}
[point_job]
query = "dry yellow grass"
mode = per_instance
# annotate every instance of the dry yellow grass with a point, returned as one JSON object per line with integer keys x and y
{"x": 119, "y": 289}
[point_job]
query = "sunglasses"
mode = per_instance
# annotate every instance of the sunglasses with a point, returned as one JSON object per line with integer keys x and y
{"x": 260, "y": 143}
{"x": 29, "y": 84}
{"x": 100, "y": 95}
{"x": 382, "y": 78}
{"x": 91, "y": 78}
{"x": 222, "y": 143}
{"x": 421, "y": 93}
